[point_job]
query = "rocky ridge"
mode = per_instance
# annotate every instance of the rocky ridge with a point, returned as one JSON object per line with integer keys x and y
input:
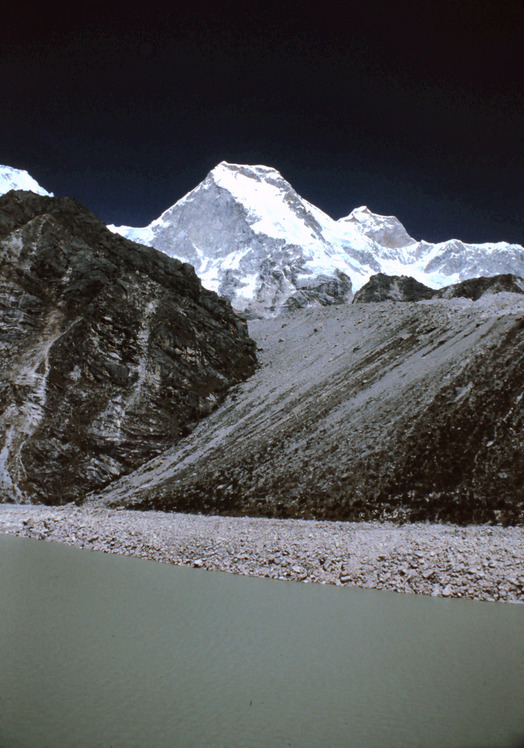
{"x": 381, "y": 287}
{"x": 110, "y": 352}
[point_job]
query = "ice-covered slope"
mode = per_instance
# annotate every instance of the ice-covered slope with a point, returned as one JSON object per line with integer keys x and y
{"x": 252, "y": 238}
{"x": 19, "y": 179}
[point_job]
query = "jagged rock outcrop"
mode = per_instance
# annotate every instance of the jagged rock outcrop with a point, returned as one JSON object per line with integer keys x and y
{"x": 109, "y": 351}
{"x": 474, "y": 288}
{"x": 321, "y": 291}
{"x": 362, "y": 411}
{"x": 381, "y": 287}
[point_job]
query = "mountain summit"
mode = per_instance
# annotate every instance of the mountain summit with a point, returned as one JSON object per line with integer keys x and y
{"x": 254, "y": 239}
{"x": 19, "y": 179}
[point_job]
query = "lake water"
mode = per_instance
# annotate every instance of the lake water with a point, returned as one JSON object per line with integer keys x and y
{"x": 109, "y": 651}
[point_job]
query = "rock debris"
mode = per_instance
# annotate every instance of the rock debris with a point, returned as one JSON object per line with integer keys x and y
{"x": 477, "y": 561}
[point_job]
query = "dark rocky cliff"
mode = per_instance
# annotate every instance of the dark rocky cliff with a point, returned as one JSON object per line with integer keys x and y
{"x": 110, "y": 351}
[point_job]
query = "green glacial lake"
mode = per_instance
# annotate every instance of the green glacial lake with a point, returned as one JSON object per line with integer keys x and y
{"x": 100, "y": 650}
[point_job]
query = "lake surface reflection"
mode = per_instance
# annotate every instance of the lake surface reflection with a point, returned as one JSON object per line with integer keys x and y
{"x": 100, "y": 650}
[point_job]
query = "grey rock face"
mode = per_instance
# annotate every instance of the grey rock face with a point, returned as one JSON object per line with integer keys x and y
{"x": 386, "y": 231}
{"x": 323, "y": 291}
{"x": 475, "y": 288}
{"x": 362, "y": 411}
{"x": 109, "y": 351}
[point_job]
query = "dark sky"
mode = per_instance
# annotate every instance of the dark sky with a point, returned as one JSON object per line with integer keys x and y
{"x": 413, "y": 108}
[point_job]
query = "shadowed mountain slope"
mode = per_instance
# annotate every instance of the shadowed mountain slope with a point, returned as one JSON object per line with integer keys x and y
{"x": 402, "y": 410}
{"x": 109, "y": 351}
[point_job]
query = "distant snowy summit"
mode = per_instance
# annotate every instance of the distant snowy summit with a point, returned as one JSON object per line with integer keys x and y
{"x": 19, "y": 179}
{"x": 252, "y": 238}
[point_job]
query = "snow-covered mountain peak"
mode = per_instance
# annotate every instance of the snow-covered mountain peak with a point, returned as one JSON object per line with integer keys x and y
{"x": 270, "y": 203}
{"x": 19, "y": 179}
{"x": 253, "y": 186}
{"x": 253, "y": 238}
{"x": 250, "y": 171}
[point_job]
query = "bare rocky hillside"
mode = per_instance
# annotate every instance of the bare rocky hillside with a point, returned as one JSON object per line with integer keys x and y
{"x": 410, "y": 411}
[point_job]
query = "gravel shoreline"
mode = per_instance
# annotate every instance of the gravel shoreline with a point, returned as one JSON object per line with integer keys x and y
{"x": 477, "y": 562}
